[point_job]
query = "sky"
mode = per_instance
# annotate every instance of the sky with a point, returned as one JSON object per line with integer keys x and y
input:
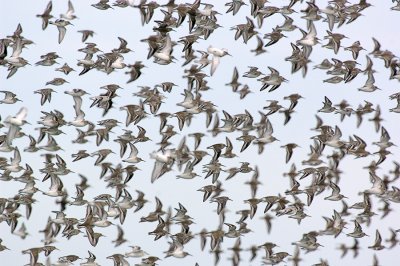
{"x": 377, "y": 21}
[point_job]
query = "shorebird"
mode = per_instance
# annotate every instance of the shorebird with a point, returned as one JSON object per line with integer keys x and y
{"x": 86, "y": 34}
{"x": 79, "y": 114}
{"x": 56, "y": 82}
{"x": 357, "y": 233}
{"x": 61, "y": 26}
{"x": 234, "y": 82}
{"x": 66, "y": 69}
{"x": 14, "y": 124}
{"x": 274, "y": 79}
{"x": 378, "y": 242}
{"x": 260, "y": 47}
{"x": 327, "y": 108}
{"x": 335, "y": 196}
{"x": 9, "y": 97}
{"x": 163, "y": 56}
{"x": 252, "y": 73}
{"x": 102, "y": 154}
{"x": 45, "y": 16}
{"x": 289, "y": 150}
{"x": 217, "y": 54}
{"x": 133, "y": 158}
{"x": 69, "y": 15}
{"x": 45, "y": 95}
{"x": 102, "y": 5}
{"x": 136, "y": 252}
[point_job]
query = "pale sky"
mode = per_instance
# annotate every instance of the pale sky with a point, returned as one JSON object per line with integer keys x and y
{"x": 378, "y": 21}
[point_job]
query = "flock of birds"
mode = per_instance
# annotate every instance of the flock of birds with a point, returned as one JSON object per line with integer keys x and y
{"x": 196, "y": 155}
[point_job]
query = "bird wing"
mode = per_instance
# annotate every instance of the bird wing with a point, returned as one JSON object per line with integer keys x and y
{"x": 17, "y": 157}
{"x": 78, "y": 105}
{"x": 71, "y": 9}
{"x": 157, "y": 170}
{"x": 12, "y": 132}
{"x": 134, "y": 150}
{"x": 214, "y": 64}
{"x": 61, "y": 33}
{"x": 17, "y": 48}
{"x": 48, "y": 9}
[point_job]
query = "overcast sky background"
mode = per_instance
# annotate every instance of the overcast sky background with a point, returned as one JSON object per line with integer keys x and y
{"x": 377, "y": 21}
